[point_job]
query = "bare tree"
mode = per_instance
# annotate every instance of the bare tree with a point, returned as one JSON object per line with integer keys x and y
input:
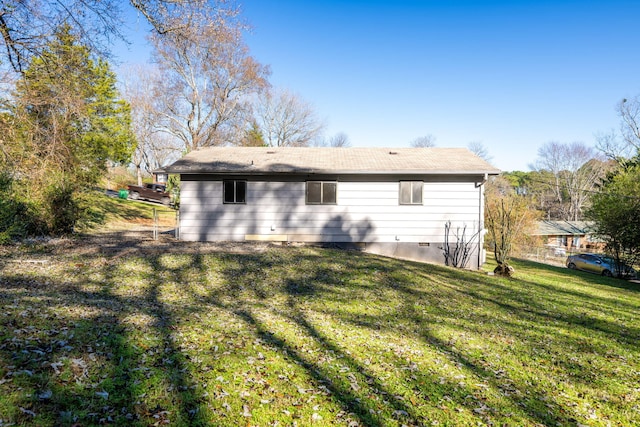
{"x": 208, "y": 77}
{"x": 625, "y": 144}
{"x": 154, "y": 148}
{"x": 27, "y": 27}
{"x": 424, "y": 141}
{"x": 612, "y": 146}
{"x": 576, "y": 170}
{"x": 286, "y": 120}
{"x": 478, "y": 148}
{"x": 340, "y": 139}
{"x": 629, "y": 112}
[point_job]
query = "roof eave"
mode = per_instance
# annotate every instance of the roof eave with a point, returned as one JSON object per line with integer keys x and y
{"x": 332, "y": 172}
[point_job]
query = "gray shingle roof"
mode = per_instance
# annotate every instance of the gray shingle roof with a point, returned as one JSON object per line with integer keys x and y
{"x": 563, "y": 228}
{"x": 265, "y": 160}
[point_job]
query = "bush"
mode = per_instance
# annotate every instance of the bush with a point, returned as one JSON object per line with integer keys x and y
{"x": 173, "y": 187}
{"x": 17, "y": 216}
{"x": 62, "y": 209}
{"x": 27, "y": 212}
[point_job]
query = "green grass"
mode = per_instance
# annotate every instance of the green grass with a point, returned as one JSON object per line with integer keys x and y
{"x": 108, "y": 213}
{"x": 309, "y": 336}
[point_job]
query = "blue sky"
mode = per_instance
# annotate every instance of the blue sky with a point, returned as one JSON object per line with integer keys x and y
{"x": 513, "y": 75}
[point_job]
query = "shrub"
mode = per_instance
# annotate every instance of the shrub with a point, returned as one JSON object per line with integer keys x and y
{"x": 61, "y": 209}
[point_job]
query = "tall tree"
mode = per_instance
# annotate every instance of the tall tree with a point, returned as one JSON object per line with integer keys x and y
{"x": 154, "y": 148}
{"x": 64, "y": 123}
{"x": 286, "y": 120}
{"x": 253, "y": 136}
{"x": 625, "y": 144}
{"x": 614, "y": 211}
{"x": 478, "y": 148}
{"x": 28, "y": 27}
{"x": 207, "y": 80}
{"x": 73, "y": 110}
{"x": 629, "y": 112}
{"x": 574, "y": 171}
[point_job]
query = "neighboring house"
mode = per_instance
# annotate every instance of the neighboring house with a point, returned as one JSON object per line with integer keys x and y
{"x": 160, "y": 176}
{"x": 390, "y": 201}
{"x": 567, "y": 236}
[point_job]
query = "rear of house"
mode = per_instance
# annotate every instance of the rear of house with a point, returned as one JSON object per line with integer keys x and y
{"x": 389, "y": 201}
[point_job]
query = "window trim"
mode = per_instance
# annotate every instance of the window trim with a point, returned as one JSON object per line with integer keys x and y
{"x": 322, "y": 189}
{"x": 411, "y": 193}
{"x": 235, "y": 192}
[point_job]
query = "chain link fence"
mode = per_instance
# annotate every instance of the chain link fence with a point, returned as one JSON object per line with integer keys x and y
{"x": 165, "y": 223}
{"x": 550, "y": 254}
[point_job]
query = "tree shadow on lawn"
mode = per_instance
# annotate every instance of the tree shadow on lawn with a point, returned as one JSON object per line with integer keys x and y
{"x": 541, "y": 301}
{"x": 515, "y": 310}
{"x": 308, "y": 286}
{"x": 341, "y": 392}
{"x": 525, "y": 400}
{"x": 88, "y": 368}
{"x": 544, "y": 304}
{"x": 307, "y": 283}
{"x": 585, "y": 307}
{"x": 131, "y": 311}
{"x": 47, "y": 375}
{"x": 363, "y": 394}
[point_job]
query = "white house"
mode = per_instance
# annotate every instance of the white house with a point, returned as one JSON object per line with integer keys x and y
{"x": 391, "y": 201}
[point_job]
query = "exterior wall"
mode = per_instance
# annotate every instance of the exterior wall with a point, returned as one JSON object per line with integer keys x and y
{"x": 574, "y": 242}
{"x": 367, "y": 213}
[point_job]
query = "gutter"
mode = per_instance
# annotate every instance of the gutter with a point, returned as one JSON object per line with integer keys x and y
{"x": 484, "y": 173}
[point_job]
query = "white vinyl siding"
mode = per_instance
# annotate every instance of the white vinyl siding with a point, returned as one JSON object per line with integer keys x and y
{"x": 364, "y": 212}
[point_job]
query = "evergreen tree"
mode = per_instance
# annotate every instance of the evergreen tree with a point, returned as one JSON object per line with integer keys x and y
{"x": 64, "y": 122}
{"x": 73, "y": 110}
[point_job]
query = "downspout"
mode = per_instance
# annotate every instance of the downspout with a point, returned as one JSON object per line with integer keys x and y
{"x": 481, "y": 218}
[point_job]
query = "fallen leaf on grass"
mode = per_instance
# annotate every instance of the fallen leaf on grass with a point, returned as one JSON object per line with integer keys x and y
{"x": 45, "y": 395}
{"x": 102, "y": 394}
{"x": 245, "y": 411}
{"x": 27, "y": 411}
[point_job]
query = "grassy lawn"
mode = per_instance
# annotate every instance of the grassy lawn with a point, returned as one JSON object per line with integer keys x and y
{"x": 113, "y": 214}
{"x": 307, "y": 336}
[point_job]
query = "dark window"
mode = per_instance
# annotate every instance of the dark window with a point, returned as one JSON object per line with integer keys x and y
{"x": 314, "y": 193}
{"x": 235, "y": 191}
{"x": 322, "y": 192}
{"x": 411, "y": 192}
